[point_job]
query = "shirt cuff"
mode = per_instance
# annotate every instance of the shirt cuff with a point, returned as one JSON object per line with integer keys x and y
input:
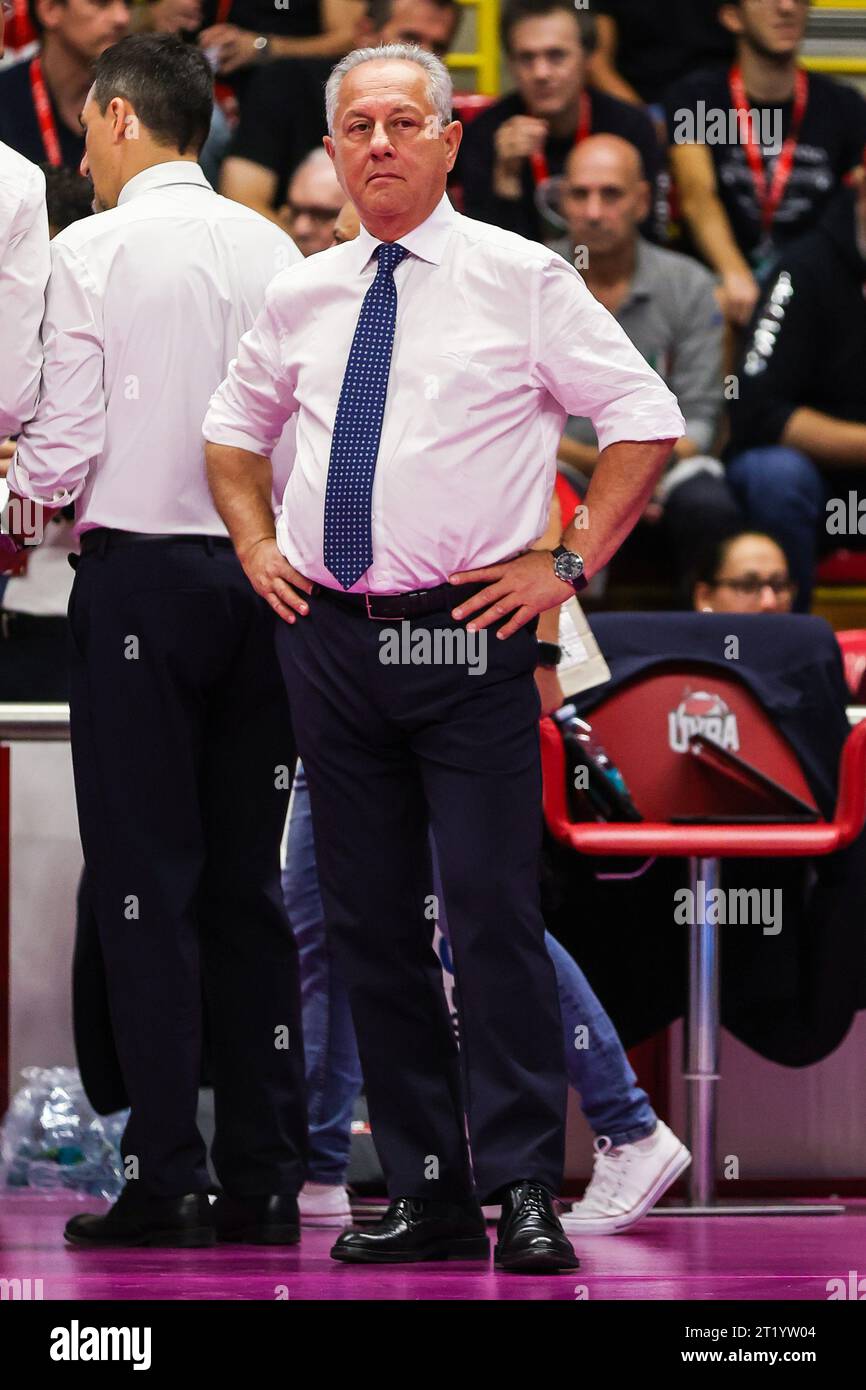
{"x": 19, "y": 482}
{"x": 233, "y": 438}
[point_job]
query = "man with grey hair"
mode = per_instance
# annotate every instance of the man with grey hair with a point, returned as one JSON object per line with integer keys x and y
{"x": 431, "y": 364}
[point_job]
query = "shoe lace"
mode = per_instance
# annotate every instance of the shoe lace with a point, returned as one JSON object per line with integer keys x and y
{"x": 535, "y": 1199}
{"x": 608, "y": 1169}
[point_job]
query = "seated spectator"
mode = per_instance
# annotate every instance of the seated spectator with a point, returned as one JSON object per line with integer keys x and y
{"x": 314, "y": 203}
{"x": 745, "y": 573}
{"x": 748, "y": 187}
{"x": 798, "y": 427}
{"x": 667, "y": 305}
{"x": 41, "y": 100}
{"x": 240, "y": 33}
{"x": 645, "y": 45}
{"x": 283, "y": 111}
{"x": 511, "y": 152}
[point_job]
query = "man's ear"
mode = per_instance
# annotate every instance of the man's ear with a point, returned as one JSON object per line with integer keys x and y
{"x": 453, "y": 133}
{"x": 731, "y": 19}
{"x": 644, "y": 200}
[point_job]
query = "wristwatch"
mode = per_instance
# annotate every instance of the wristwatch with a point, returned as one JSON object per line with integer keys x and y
{"x": 568, "y": 566}
{"x": 549, "y": 656}
{"x": 261, "y": 44}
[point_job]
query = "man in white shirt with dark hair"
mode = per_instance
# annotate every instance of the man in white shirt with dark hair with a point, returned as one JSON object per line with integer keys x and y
{"x": 24, "y": 264}
{"x": 180, "y": 723}
{"x": 431, "y": 365}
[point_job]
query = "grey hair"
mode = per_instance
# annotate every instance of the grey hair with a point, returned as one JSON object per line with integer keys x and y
{"x": 439, "y": 86}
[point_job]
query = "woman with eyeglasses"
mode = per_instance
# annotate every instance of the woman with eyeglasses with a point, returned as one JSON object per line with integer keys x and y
{"x": 745, "y": 573}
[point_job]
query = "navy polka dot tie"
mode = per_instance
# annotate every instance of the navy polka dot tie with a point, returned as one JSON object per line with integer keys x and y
{"x": 348, "y": 548}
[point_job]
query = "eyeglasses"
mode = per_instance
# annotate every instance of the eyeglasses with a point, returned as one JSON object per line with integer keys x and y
{"x": 751, "y": 585}
{"x": 315, "y": 214}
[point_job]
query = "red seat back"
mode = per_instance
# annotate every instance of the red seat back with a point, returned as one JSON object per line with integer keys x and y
{"x": 645, "y": 726}
{"x": 853, "y": 644}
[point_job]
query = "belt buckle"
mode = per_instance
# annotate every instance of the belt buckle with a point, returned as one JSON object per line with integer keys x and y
{"x": 374, "y": 617}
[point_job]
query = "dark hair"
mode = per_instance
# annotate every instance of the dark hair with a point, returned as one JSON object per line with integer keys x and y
{"x": 517, "y": 10}
{"x": 168, "y": 83}
{"x": 379, "y": 11}
{"x": 68, "y": 195}
{"x": 712, "y": 558}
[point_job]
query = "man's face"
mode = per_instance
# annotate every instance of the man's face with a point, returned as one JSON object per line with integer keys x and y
{"x": 87, "y": 27}
{"x": 390, "y": 156}
{"x": 604, "y": 197}
{"x": 102, "y": 160}
{"x": 548, "y": 62}
{"x": 314, "y": 203}
{"x": 419, "y": 21}
{"x": 774, "y": 28}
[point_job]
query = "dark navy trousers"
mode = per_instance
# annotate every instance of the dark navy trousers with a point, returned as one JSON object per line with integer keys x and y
{"x": 182, "y": 747}
{"x": 388, "y": 748}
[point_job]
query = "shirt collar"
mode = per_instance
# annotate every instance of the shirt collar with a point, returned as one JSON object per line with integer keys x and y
{"x": 427, "y": 240}
{"x": 160, "y": 175}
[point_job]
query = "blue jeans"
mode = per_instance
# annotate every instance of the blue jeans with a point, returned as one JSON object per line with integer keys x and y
{"x": 782, "y": 491}
{"x": 596, "y": 1063}
{"x": 333, "y": 1070}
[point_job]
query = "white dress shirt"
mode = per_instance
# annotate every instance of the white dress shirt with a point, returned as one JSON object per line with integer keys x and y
{"x": 24, "y": 264}
{"x": 497, "y": 341}
{"x": 145, "y": 307}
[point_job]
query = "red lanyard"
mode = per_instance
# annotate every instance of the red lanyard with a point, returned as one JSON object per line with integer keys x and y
{"x": 45, "y": 115}
{"x": 769, "y": 199}
{"x": 538, "y": 162}
{"x": 222, "y": 11}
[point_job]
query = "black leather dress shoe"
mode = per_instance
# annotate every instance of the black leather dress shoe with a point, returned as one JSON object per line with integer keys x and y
{"x": 257, "y": 1220}
{"x": 416, "y": 1229}
{"x": 530, "y": 1234}
{"x": 139, "y": 1219}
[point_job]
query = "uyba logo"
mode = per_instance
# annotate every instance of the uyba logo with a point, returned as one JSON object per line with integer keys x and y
{"x": 700, "y": 712}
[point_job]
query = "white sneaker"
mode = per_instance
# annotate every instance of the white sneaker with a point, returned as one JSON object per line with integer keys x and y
{"x": 626, "y": 1182}
{"x": 324, "y": 1204}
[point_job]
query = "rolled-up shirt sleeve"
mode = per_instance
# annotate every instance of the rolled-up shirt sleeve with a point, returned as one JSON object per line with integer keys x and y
{"x": 24, "y": 265}
{"x": 252, "y": 405}
{"x": 68, "y": 430}
{"x": 589, "y": 365}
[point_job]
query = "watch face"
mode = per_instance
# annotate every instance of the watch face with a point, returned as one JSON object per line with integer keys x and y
{"x": 569, "y": 565}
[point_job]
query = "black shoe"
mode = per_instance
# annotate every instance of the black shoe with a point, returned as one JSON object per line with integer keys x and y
{"x": 416, "y": 1229}
{"x": 271, "y": 1220}
{"x": 529, "y": 1231}
{"x": 141, "y": 1219}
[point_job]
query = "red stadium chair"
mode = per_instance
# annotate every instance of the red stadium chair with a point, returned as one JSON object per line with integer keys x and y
{"x": 853, "y": 644}
{"x": 645, "y": 727}
{"x": 842, "y": 567}
{"x": 467, "y": 105}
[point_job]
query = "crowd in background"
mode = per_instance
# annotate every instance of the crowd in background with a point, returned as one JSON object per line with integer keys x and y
{"x": 676, "y": 151}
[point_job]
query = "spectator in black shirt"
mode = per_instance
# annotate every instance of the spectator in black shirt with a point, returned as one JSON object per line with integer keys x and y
{"x": 645, "y": 45}
{"x": 518, "y": 148}
{"x": 798, "y": 428}
{"x": 739, "y": 207}
{"x": 283, "y": 111}
{"x": 244, "y": 32}
{"x": 73, "y": 34}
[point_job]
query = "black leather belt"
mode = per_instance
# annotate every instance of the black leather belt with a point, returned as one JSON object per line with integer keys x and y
{"x": 392, "y": 607}
{"x": 100, "y": 538}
